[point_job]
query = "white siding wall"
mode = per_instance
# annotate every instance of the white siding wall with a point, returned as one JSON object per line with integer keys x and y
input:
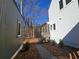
{"x": 45, "y": 33}
{"x": 69, "y": 15}
{"x": 54, "y": 15}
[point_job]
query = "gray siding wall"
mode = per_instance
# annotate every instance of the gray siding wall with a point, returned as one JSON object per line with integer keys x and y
{"x": 9, "y": 42}
{"x": 72, "y": 38}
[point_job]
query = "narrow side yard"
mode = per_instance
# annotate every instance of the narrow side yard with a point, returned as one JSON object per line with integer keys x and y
{"x": 44, "y": 53}
{"x": 32, "y": 53}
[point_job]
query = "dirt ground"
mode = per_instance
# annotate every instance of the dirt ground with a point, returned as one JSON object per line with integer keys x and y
{"x": 57, "y": 51}
{"x": 32, "y": 53}
{"x": 62, "y": 53}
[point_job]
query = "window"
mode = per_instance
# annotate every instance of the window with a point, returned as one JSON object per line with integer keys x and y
{"x": 43, "y": 29}
{"x": 18, "y": 28}
{"x": 61, "y": 4}
{"x": 0, "y": 11}
{"x": 48, "y": 28}
{"x": 67, "y": 1}
{"x": 54, "y": 26}
{"x": 51, "y": 27}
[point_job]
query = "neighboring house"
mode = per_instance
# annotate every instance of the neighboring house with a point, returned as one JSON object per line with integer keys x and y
{"x": 37, "y": 31}
{"x": 29, "y": 27}
{"x": 64, "y": 19}
{"x": 30, "y": 32}
{"x": 45, "y": 31}
{"x": 11, "y": 29}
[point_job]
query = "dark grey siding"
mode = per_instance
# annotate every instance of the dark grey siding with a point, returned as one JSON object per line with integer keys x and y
{"x": 72, "y": 38}
{"x": 9, "y": 42}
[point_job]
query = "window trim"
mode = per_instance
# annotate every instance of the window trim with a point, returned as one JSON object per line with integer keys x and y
{"x": 51, "y": 27}
{"x": 19, "y": 22}
{"x": 54, "y": 26}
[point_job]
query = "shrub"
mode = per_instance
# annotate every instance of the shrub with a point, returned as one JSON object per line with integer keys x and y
{"x": 48, "y": 41}
{"x": 61, "y": 44}
{"x": 54, "y": 42}
{"x": 26, "y": 47}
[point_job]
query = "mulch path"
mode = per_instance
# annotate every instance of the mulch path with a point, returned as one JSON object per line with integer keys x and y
{"x": 57, "y": 51}
{"x": 32, "y": 53}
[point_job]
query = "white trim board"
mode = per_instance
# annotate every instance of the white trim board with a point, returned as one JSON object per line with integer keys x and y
{"x": 17, "y": 52}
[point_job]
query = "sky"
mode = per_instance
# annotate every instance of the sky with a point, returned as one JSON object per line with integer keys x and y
{"x": 39, "y": 10}
{"x": 44, "y": 6}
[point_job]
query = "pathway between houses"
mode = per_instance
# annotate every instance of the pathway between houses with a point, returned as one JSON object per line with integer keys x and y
{"x": 45, "y": 54}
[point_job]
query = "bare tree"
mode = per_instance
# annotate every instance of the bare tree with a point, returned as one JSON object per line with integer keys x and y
{"x": 31, "y": 10}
